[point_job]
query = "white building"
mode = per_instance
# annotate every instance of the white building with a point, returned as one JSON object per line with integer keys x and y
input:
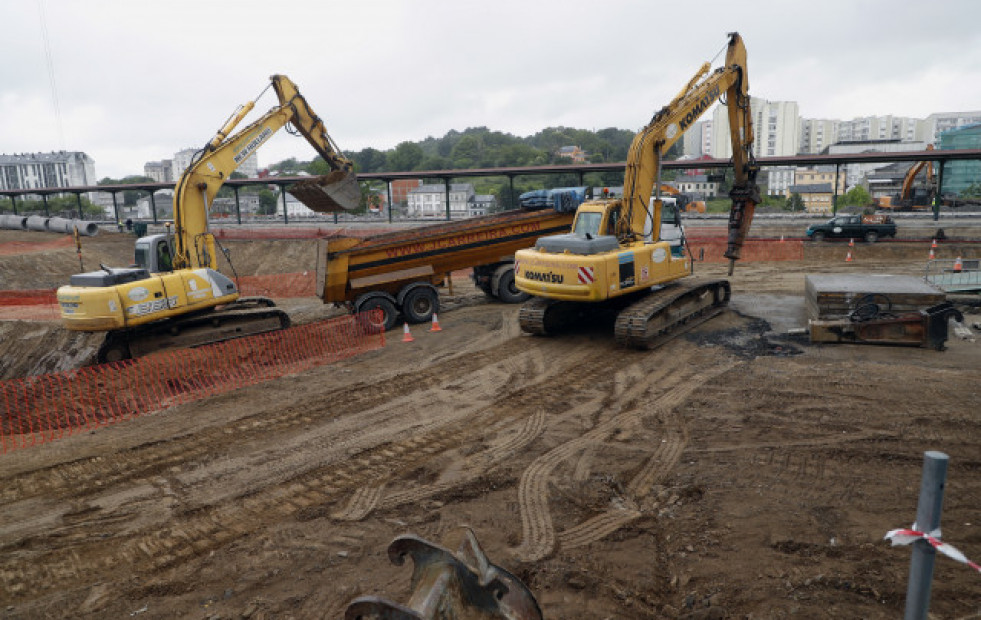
{"x": 776, "y": 128}
{"x": 936, "y": 124}
{"x": 55, "y": 169}
{"x": 429, "y": 201}
{"x": 182, "y": 159}
{"x": 698, "y": 186}
{"x": 869, "y": 128}
{"x": 817, "y": 134}
{"x": 160, "y": 171}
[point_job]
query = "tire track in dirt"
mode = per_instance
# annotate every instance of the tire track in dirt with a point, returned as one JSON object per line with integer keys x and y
{"x": 204, "y": 529}
{"x": 538, "y": 535}
{"x": 92, "y": 474}
{"x": 477, "y": 466}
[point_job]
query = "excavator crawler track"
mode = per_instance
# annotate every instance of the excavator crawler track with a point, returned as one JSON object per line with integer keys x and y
{"x": 543, "y": 317}
{"x": 248, "y": 316}
{"x": 669, "y": 312}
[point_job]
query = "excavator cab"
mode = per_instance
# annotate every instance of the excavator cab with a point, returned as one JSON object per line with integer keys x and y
{"x": 154, "y": 254}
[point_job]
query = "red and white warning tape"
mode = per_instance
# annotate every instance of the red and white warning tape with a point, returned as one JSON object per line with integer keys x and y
{"x": 909, "y": 536}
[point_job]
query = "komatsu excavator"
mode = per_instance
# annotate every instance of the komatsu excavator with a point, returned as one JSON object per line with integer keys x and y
{"x": 614, "y": 259}
{"x": 173, "y": 296}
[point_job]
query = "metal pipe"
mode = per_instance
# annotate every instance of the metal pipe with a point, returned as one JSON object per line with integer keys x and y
{"x": 928, "y": 522}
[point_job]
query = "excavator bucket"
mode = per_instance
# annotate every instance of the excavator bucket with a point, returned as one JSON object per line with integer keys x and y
{"x": 336, "y": 192}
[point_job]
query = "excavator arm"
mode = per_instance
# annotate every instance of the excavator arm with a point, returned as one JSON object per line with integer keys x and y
{"x": 667, "y": 127}
{"x": 212, "y": 166}
{"x": 906, "y": 193}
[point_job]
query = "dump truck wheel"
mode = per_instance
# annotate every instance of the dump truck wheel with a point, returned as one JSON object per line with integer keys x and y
{"x": 388, "y": 313}
{"x": 507, "y": 291}
{"x": 818, "y": 236}
{"x": 871, "y": 236}
{"x": 419, "y": 304}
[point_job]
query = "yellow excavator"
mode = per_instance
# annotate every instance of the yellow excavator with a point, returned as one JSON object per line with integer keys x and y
{"x": 911, "y": 198}
{"x": 614, "y": 258}
{"x": 174, "y": 296}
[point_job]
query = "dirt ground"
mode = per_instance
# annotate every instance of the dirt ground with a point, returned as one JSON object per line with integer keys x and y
{"x": 736, "y": 472}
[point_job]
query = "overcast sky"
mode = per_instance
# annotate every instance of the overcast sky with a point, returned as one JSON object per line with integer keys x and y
{"x": 131, "y": 81}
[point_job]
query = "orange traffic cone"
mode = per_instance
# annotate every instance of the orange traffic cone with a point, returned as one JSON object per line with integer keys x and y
{"x": 848, "y": 258}
{"x": 406, "y": 334}
{"x": 781, "y": 238}
{"x": 435, "y": 327}
{"x": 932, "y": 255}
{"x": 851, "y": 243}
{"x": 958, "y": 265}
{"x": 934, "y": 244}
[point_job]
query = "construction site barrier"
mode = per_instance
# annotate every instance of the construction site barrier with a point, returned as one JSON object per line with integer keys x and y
{"x": 711, "y": 250}
{"x": 40, "y": 409}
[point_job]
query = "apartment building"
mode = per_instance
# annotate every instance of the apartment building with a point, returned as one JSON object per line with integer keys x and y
{"x": 55, "y": 169}
{"x": 698, "y": 186}
{"x": 817, "y": 197}
{"x": 820, "y": 175}
{"x": 160, "y": 171}
{"x": 776, "y": 125}
{"x": 429, "y": 201}
{"x": 937, "y": 124}
{"x": 817, "y": 134}
{"x": 872, "y": 128}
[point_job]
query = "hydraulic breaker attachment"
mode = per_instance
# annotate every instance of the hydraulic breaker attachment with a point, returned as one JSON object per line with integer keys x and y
{"x": 448, "y": 586}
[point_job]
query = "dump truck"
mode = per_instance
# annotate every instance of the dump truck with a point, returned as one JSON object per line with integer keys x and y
{"x": 396, "y": 274}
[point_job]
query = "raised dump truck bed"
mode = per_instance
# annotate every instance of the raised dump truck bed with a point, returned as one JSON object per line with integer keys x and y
{"x": 397, "y": 272}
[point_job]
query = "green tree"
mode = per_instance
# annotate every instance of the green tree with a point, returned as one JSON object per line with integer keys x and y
{"x": 267, "y": 201}
{"x": 466, "y": 153}
{"x": 972, "y": 191}
{"x": 857, "y": 196}
{"x": 795, "y": 203}
{"x": 129, "y": 196}
{"x": 406, "y": 156}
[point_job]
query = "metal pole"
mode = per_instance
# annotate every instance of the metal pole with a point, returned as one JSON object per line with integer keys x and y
{"x": 115, "y": 208}
{"x": 153, "y": 206}
{"x": 286, "y": 217}
{"x": 238, "y": 207}
{"x": 78, "y": 199}
{"x": 389, "y": 186}
{"x": 940, "y": 191}
{"x": 446, "y": 182}
{"x": 927, "y": 521}
{"x": 511, "y": 193}
{"x": 44, "y": 199}
{"x": 13, "y": 203}
{"x": 834, "y": 199}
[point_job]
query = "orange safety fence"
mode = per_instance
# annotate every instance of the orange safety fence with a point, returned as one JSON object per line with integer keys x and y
{"x": 28, "y": 297}
{"x": 712, "y": 250}
{"x": 40, "y": 409}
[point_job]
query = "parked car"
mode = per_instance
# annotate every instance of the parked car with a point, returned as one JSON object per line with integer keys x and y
{"x": 871, "y": 228}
